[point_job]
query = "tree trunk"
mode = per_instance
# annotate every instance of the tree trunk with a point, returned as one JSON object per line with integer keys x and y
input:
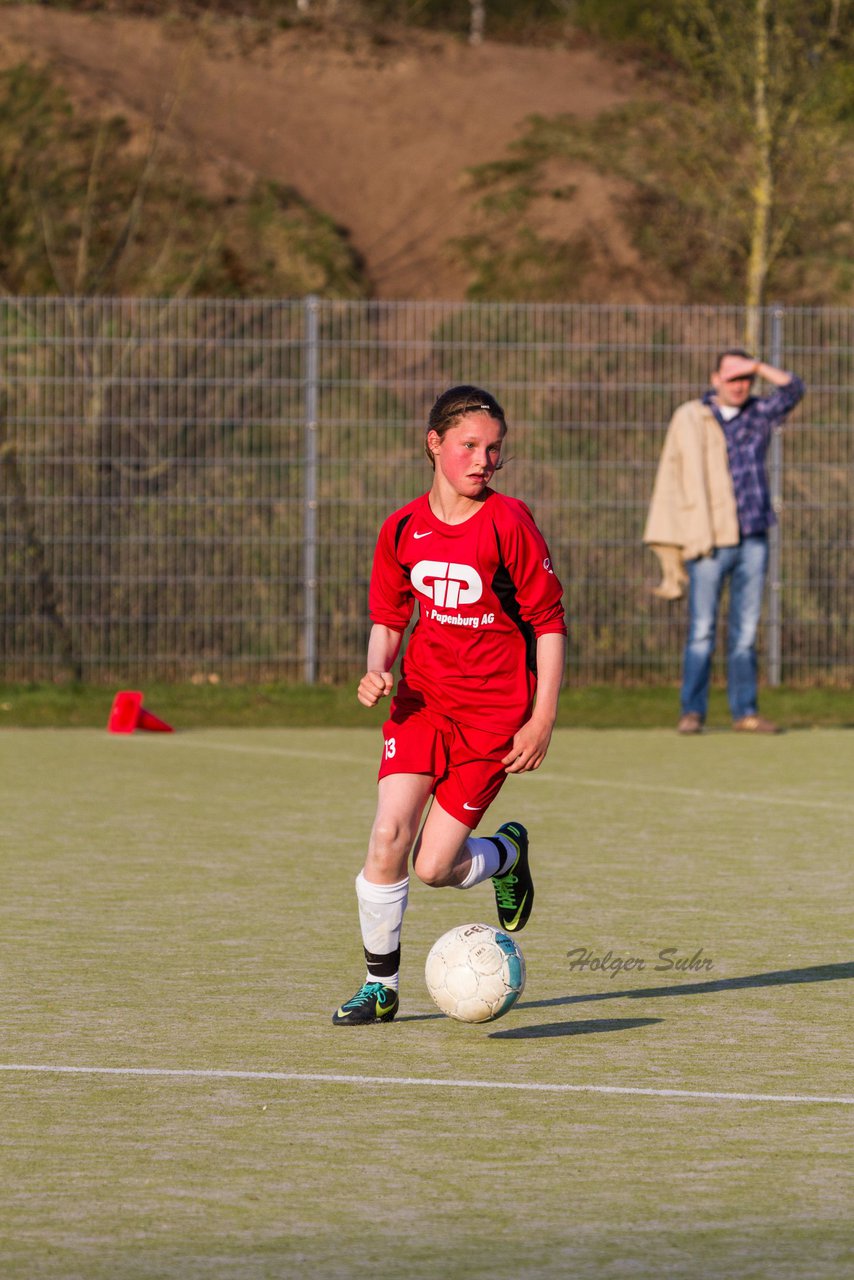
{"x": 478, "y": 21}
{"x": 46, "y": 595}
{"x": 763, "y": 187}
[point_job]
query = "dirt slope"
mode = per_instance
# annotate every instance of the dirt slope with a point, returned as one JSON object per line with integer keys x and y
{"x": 380, "y": 140}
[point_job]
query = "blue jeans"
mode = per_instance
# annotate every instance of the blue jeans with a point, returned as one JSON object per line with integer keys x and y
{"x": 745, "y": 566}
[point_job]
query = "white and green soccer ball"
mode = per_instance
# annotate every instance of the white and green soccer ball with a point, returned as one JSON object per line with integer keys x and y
{"x": 475, "y": 973}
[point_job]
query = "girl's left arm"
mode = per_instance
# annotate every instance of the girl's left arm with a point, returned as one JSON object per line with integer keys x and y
{"x": 531, "y": 742}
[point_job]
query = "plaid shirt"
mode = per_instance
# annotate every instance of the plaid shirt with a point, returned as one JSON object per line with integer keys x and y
{"x": 748, "y": 436}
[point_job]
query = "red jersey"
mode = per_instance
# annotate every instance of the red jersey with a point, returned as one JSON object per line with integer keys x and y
{"x": 486, "y": 591}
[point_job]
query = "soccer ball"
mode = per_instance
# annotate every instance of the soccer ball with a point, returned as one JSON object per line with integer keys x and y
{"x": 475, "y": 973}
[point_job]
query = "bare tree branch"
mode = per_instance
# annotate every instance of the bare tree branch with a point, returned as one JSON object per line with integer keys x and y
{"x": 84, "y": 241}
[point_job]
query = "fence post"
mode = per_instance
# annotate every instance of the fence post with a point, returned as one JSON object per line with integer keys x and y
{"x": 309, "y": 532}
{"x": 775, "y": 482}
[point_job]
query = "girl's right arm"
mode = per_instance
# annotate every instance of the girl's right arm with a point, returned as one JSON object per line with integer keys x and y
{"x": 383, "y": 648}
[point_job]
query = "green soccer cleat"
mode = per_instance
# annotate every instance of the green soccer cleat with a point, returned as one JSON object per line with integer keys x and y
{"x": 373, "y": 1002}
{"x": 514, "y": 891}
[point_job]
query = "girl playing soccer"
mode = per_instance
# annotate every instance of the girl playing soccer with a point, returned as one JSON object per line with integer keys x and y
{"x": 490, "y": 634}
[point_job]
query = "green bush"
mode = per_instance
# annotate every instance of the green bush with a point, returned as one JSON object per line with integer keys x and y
{"x": 81, "y": 214}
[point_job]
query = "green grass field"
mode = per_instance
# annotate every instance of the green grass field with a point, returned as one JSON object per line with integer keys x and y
{"x": 280, "y": 706}
{"x": 178, "y": 924}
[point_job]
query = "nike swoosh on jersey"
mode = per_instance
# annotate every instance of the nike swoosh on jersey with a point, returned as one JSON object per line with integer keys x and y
{"x": 426, "y": 534}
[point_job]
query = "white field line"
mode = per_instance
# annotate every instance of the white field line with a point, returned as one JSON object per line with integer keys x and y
{"x": 701, "y": 793}
{"x": 608, "y": 784}
{"x": 291, "y": 753}
{"x": 426, "y": 1082}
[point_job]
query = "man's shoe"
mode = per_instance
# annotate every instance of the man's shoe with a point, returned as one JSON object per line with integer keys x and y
{"x": 514, "y": 891}
{"x": 755, "y": 724}
{"x": 691, "y": 722}
{"x": 373, "y": 1002}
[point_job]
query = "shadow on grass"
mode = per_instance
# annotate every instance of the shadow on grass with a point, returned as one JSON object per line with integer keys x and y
{"x": 778, "y": 978}
{"x": 588, "y": 1028}
{"x": 421, "y": 1017}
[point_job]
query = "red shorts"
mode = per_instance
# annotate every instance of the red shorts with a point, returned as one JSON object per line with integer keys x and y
{"x": 465, "y": 763}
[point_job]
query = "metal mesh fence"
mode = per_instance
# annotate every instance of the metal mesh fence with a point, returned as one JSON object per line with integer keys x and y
{"x": 196, "y": 486}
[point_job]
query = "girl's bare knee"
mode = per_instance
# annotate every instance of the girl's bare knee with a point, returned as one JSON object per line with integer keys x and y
{"x": 428, "y": 874}
{"x": 433, "y": 871}
{"x": 388, "y": 850}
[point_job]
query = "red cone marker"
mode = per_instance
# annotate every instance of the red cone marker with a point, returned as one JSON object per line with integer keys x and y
{"x": 128, "y": 714}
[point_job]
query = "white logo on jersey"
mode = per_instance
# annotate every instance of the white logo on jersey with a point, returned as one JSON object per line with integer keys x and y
{"x": 447, "y": 585}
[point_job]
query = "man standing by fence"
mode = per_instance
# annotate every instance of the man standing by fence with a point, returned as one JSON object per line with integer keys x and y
{"x": 711, "y": 511}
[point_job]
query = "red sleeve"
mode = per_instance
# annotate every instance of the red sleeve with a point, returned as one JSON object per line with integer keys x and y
{"x": 538, "y": 589}
{"x": 390, "y": 599}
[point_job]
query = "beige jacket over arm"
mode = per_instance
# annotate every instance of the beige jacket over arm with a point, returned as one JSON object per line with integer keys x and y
{"x": 692, "y": 509}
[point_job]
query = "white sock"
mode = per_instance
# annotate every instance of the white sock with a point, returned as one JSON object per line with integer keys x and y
{"x": 488, "y": 858}
{"x": 381, "y": 908}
